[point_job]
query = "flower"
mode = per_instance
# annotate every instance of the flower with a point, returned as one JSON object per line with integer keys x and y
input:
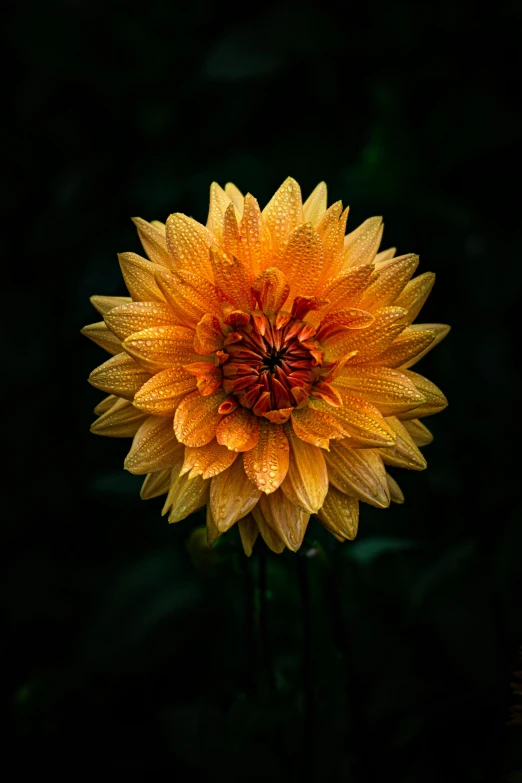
{"x": 262, "y": 365}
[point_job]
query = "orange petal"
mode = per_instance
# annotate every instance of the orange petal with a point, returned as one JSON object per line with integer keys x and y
{"x": 315, "y": 205}
{"x": 154, "y": 447}
{"x": 188, "y": 296}
{"x": 185, "y": 496}
{"x": 209, "y": 336}
{"x": 303, "y": 260}
{"x": 316, "y": 426}
{"x": 106, "y": 404}
{"x": 306, "y": 482}
{"x": 120, "y": 375}
{"x": 434, "y": 399}
{"x": 415, "y": 294}
{"x": 207, "y": 461}
{"x": 361, "y": 246}
{"x": 212, "y": 531}
{"x": 392, "y": 392}
{"x": 346, "y": 289}
{"x": 197, "y": 418}
{"x": 358, "y": 472}
{"x": 288, "y": 520}
{"x": 302, "y": 305}
{"x": 154, "y": 242}
{"x": 327, "y": 393}
{"x": 161, "y": 347}
{"x": 138, "y": 274}
{"x": 231, "y": 236}
{"x": 249, "y": 531}
{"x": 232, "y": 496}
{"x": 188, "y": 243}
{"x": 156, "y": 484}
{"x": 122, "y": 420}
{"x": 255, "y": 245}
{"x": 396, "y": 495}
{"x": 239, "y": 431}
{"x": 371, "y": 342}
{"x": 341, "y": 321}
{"x": 283, "y": 212}
{"x": 219, "y": 201}
{"x": 136, "y": 316}
{"x": 271, "y": 290}
{"x": 236, "y": 196}
{"x": 404, "y": 453}
{"x": 420, "y": 434}
{"x": 266, "y": 465}
{"x": 441, "y": 331}
{"x": 361, "y": 420}
{"x": 233, "y": 278}
{"x": 331, "y": 229}
{"x": 405, "y": 347}
{"x": 208, "y": 376}
{"x": 162, "y": 394}
{"x": 340, "y": 514}
{"x": 390, "y": 282}
{"x": 102, "y": 336}
{"x": 104, "y": 304}
{"x": 268, "y": 534}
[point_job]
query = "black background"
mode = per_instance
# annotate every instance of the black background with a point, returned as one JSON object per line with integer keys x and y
{"x": 128, "y": 646}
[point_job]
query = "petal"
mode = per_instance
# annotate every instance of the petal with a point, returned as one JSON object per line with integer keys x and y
{"x": 390, "y": 282}
{"x": 315, "y": 205}
{"x": 156, "y": 484}
{"x": 212, "y": 531}
{"x": 346, "y": 289}
{"x": 162, "y": 394}
{"x": 420, "y": 434}
{"x": 188, "y": 243}
{"x": 133, "y": 317}
{"x": 268, "y": 534}
{"x": 283, "y": 212}
{"x": 189, "y": 297}
{"x": 197, "y": 418}
{"x": 404, "y": 453}
{"x": 161, "y": 347}
{"x": 316, "y": 426}
{"x": 219, "y": 201}
{"x": 285, "y": 518}
{"x": 255, "y": 245}
{"x": 122, "y": 420}
{"x": 415, "y": 294}
{"x": 209, "y": 377}
{"x": 209, "y": 335}
{"x": 328, "y": 393}
{"x": 236, "y": 196}
{"x": 385, "y": 255}
{"x": 302, "y": 262}
{"x": 185, "y": 496}
{"x": 239, "y": 431}
{"x": 154, "y": 447}
{"x": 249, "y": 531}
{"x": 104, "y": 304}
{"x": 233, "y": 278}
{"x": 231, "y": 237}
{"x": 271, "y": 290}
{"x": 207, "y": 461}
{"x": 232, "y": 496}
{"x": 361, "y": 420}
{"x": 406, "y": 347}
{"x": 434, "y": 399}
{"x": 370, "y": 342}
{"x": 120, "y": 375}
{"x": 331, "y": 229}
{"x": 341, "y": 321}
{"x": 392, "y": 392}
{"x": 154, "y": 242}
{"x": 340, "y": 514}
{"x": 266, "y": 465}
{"x": 102, "y": 336}
{"x": 441, "y": 330}
{"x": 361, "y": 246}
{"x": 138, "y": 274}
{"x": 306, "y": 482}
{"x": 396, "y": 495}
{"x": 358, "y": 472}
{"x": 106, "y": 404}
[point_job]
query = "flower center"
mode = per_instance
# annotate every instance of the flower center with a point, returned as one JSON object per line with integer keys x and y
{"x": 271, "y": 365}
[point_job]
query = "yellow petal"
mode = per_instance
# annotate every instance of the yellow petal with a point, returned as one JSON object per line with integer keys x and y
{"x": 306, "y": 482}
{"x": 207, "y": 461}
{"x": 288, "y": 520}
{"x": 212, "y": 531}
{"x": 189, "y": 297}
{"x": 371, "y": 342}
{"x": 396, "y": 495}
{"x": 302, "y": 262}
{"x": 236, "y": 196}
{"x": 154, "y": 242}
{"x": 239, "y": 430}
{"x": 283, "y": 212}
{"x": 384, "y": 255}
{"x": 231, "y": 237}
{"x": 249, "y": 531}
{"x": 415, "y": 294}
{"x": 138, "y": 274}
{"x": 361, "y": 246}
{"x": 315, "y": 205}
{"x": 404, "y": 453}
{"x": 161, "y": 347}
{"x": 188, "y": 243}
{"x": 104, "y": 304}
{"x": 390, "y": 282}
{"x": 154, "y": 447}
{"x": 232, "y": 496}
{"x": 346, "y": 289}
{"x": 268, "y": 534}
{"x": 255, "y": 245}
{"x": 162, "y": 394}
{"x": 441, "y": 330}
{"x": 219, "y": 201}
{"x": 358, "y": 472}
{"x": 233, "y": 278}
{"x": 106, "y": 404}
{"x": 266, "y": 465}
{"x": 156, "y": 484}
{"x": 122, "y": 420}
{"x": 102, "y": 336}
{"x": 392, "y": 392}
{"x": 317, "y": 427}
{"x": 340, "y": 514}
{"x": 271, "y": 290}
{"x": 420, "y": 434}
{"x": 331, "y": 229}
{"x": 361, "y": 420}
{"x": 197, "y": 418}
{"x": 434, "y": 399}
{"x": 133, "y": 317}
{"x": 120, "y": 375}
{"x": 185, "y": 495}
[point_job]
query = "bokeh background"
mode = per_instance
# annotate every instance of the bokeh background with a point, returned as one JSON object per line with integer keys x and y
{"x": 128, "y": 645}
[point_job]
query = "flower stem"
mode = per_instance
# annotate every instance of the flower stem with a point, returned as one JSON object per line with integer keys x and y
{"x": 306, "y": 663}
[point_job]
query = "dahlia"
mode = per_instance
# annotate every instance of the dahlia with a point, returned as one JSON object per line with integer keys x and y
{"x": 262, "y": 365}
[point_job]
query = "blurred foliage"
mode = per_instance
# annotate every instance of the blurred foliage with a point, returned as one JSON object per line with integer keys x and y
{"x": 129, "y": 645}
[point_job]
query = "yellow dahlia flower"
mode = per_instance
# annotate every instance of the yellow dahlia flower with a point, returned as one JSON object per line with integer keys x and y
{"x": 262, "y": 365}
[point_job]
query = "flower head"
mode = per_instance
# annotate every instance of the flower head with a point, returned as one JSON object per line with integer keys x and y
{"x": 262, "y": 365}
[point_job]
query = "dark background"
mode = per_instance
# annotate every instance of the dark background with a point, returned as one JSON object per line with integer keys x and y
{"x": 128, "y": 646}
